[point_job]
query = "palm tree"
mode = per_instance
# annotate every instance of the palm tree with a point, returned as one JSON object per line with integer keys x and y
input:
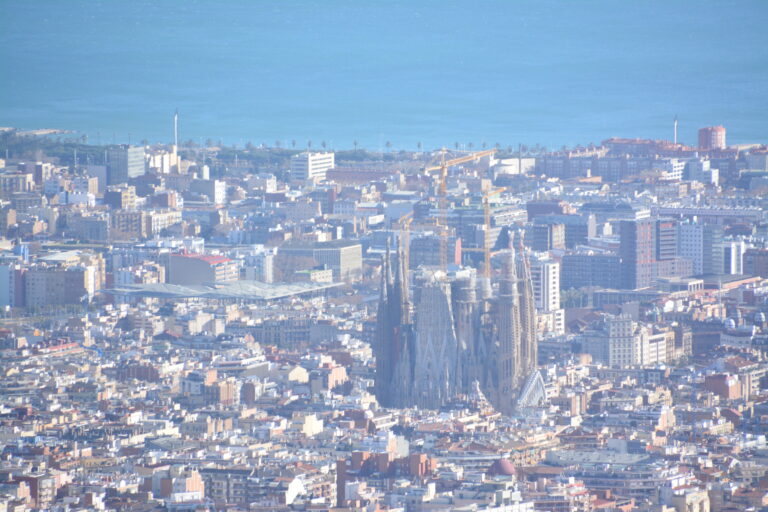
{"x": 456, "y": 145}
{"x": 470, "y": 146}
{"x": 354, "y": 143}
{"x": 323, "y": 144}
{"x": 483, "y": 145}
{"x": 309, "y": 144}
{"x": 293, "y": 143}
{"x": 389, "y": 146}
{"x": 523, "y": 149}
{"x": 418, "y": 146}
{"x": 497, "y": 146}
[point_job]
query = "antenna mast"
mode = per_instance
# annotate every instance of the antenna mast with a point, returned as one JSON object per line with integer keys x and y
{"x": 176, "y": 129}
{"x": 675, "y": 139}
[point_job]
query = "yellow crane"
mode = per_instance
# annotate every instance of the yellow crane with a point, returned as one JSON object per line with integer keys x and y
{"x": 486, "y": 249}
{"x": 442, "y": 192}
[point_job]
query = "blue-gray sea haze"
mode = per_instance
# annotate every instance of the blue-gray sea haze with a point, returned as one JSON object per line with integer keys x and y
{"x": 436, "y": 72}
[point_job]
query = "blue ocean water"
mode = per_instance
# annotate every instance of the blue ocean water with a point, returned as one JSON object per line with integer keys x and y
{"x": 436, "y": 72}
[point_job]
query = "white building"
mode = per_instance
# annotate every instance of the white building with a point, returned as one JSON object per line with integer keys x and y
{"x": 312, "y": 166}
{"x": 545, "y": 280}
{"x": 673, "y": 168}
{"x": 621, "y": 342}
{"x": 700, "y": 169}
{"x": 260, "y": 265}
{"x": 698, "y": 242}
{"x": 729, "y": 256}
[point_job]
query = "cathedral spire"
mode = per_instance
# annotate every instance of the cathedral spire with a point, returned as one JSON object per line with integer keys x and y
{"x": 528, "y": 342}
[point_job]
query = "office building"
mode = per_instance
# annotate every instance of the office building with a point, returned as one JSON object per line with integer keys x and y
{"x": 591, "y": 269}
{"x": 697, "y": 242}
{"x": 196, "y": 269}
{"x": 756, "y": 262}
{"x": 546, "y": 237}
{"x": 637, "y": 249}
{"x": 578, "y": 228}
{"x": 312, "y": 166}
{"x": 124, "y": 162}
{"x": 665, "y": 239}
{"x": 344, "y": 258}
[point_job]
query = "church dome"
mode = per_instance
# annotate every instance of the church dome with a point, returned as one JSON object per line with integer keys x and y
{"x": 502, "y": 467}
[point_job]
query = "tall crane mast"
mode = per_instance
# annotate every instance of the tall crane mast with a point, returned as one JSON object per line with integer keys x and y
{"x": 442, "y": 192}
{"x": 486, "y": 199}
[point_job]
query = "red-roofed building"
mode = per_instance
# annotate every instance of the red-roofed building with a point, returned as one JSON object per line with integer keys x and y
{"x": 196, "y": 269}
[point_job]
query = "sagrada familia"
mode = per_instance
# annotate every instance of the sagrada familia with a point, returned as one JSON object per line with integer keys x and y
{"x": 459, "y": 332}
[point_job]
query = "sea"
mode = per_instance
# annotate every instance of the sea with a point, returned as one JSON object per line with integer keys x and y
{"x": 385, "y": 74}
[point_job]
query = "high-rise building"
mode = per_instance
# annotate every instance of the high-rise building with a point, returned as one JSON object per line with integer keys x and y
{"x": 312, "y": 166}
{"x": 728, "y": 257}
{"x": 756, "y": 262}
{"x": 125, "y": 162}
{"x": 712, "y": 137}
{"x": 697, "y": 242}
{"x": 545, "y": 237}
{"x": 666, "y": 239}
{"x": 578, "y": 228}
{"x": 637, "y": 250}
{"x": 545, "y": 280}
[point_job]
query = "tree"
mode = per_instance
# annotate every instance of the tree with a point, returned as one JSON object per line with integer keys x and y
{"x": 323, "y": 144}
{"x": 309, "y": 144}
{"x": 278, "y": 144}
{"x": 354, "y": 143}
{"x": 418, "y": 146}
{"x": 144, "y": 142}
{"x": 389, "y": 145}
{"x": 208, "y": 143}
{"x": 456, "y": 145}
{"x": 470, "y": 146}
{"x": 293, "y": 143}
{"x": 483, "y": 145}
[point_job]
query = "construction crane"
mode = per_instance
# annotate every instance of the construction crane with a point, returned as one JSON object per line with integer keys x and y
{"x": 486, "y": 249}
{"x": 442, "y": 192}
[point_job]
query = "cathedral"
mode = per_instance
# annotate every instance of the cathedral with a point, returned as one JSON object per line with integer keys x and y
{"x": 456, "y": 332}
